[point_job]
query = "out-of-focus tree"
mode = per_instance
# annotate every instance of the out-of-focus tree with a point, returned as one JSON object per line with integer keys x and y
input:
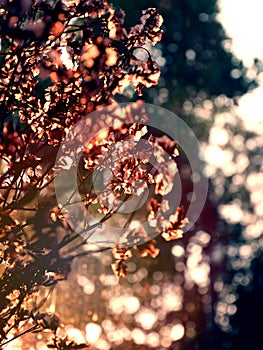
{"x": 201, "y": 80}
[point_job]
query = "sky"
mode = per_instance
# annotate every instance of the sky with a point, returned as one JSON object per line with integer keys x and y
{"x": 242, "y": 20}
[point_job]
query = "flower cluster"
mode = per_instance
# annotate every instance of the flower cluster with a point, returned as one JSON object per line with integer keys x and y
{"x": 126, "y": 178}
{"x": 121, "y": 255}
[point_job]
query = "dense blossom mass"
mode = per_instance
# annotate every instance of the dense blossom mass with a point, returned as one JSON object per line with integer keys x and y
{"x": 60, "y": 61}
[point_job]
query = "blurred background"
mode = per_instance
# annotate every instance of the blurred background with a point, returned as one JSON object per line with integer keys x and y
{"x": 205, "y": 290}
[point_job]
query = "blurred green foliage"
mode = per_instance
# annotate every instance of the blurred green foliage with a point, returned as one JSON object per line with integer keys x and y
{"x": 195, "y": 47}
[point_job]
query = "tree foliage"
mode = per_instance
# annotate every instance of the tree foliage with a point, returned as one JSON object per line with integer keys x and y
{"x": 59, "y": 62}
